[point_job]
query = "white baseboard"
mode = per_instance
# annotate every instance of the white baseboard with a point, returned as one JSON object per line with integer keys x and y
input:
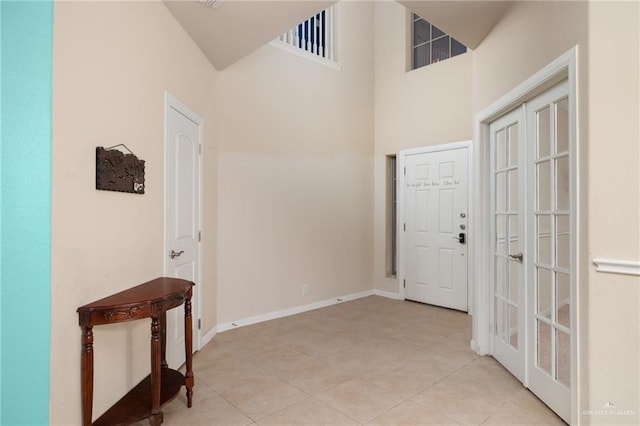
{"x": 387, "y": 294}
{"x": 287, "y": 312}
{"x": 208, "y": 336}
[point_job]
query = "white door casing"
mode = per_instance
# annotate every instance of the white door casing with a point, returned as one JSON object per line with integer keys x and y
{"x": 182, "y": 216}
{"x": 434, "y": 195}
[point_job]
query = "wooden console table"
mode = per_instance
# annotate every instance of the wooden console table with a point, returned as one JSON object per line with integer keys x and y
{"x": 149, "y": 300}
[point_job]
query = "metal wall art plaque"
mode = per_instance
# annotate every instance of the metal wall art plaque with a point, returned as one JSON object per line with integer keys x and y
{"x": 117, "y": 171}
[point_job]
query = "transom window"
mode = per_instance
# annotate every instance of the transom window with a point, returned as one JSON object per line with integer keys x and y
{"x": 430, "y": 44}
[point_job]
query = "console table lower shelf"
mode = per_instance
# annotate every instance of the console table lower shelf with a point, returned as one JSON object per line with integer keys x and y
{"x": 136, "y": 405}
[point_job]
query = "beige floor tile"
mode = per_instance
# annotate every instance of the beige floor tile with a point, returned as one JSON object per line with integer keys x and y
{"x": 360, "y": 400}
{"x": 229, "y": 374}
{"x": 410, "y": 376}
{"x": 320, "y": 345}
{"x": 315, "y": 377}
{"x": 310, "y": 412}
{"x": 473, "y": 393}
{"x": 263, "y": 396}
{"x": 410, "y": 413}
{"x": 281, "y": 358}
{"x": 524, "y": 409}
{"x": 212, "y": 410}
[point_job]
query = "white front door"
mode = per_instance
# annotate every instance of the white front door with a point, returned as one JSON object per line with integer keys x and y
{"x": 182, "y": 216}
{"x": 507, "y": 244}
{"x": 435, "y": 191}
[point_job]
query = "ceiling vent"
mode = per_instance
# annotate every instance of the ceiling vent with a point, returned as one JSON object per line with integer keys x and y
{"x": 212, "y": 3}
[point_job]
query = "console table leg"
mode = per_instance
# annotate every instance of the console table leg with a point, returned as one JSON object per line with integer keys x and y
{"x": 163, "y": 338}
{"x": 188, "y": 346}
{"x": 156, "y": 414}
{"x": 87, "y": 374}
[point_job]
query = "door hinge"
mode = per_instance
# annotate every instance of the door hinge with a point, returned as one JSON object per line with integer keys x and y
{"x": 199, "y": 236}
{"x": 404, "y": 226}
{"x": 405, "y": 171}
{"x": 199, "y": 324}
{"x": 200, "y": 149}
{"x": 404, "y": 283}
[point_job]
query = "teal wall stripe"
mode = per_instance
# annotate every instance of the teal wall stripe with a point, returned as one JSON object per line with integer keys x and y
{"x": 25, "y": 217}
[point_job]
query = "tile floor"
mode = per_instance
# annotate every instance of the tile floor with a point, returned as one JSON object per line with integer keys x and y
{"x": 371, "y": 361}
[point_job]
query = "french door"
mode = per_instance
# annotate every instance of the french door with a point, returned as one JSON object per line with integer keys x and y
{"x": 532, "y": 245}
{"x": 507, "y": 245}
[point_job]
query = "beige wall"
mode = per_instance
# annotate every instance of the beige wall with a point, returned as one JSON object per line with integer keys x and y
{"x": 427, "y": 106}
{"x": 294, "y": 182}
{"x": 612, "y": 318}
{"x": 112, "y": 63}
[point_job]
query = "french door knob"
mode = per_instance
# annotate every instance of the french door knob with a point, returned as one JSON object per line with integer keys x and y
{"x": 519, "y": 257}
{"x": 173, "y": 254}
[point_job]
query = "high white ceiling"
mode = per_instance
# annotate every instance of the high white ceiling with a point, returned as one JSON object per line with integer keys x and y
{"x": 236, "y": 28}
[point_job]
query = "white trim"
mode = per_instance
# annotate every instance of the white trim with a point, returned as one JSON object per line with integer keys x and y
{"x": 209, "y": 335}
{"x": 400, "y": 217}
{"x": 615, "y": 266}
{"x": 279, "y": 44}
{"x": 171, "y": 101}
{"x": 291, "y": 311}
{"x": 387, "y": 294}
{"x": 564, "y": 67}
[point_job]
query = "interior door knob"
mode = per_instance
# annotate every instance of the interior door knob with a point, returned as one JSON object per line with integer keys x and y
{"x": 173, "y": 254}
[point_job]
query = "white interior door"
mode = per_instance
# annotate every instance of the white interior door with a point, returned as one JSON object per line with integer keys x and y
{"x": 507, "y": 242}
{"x": 532, "y": 246}
{"x": 182, "y": 216}
{"x": 435, "y": 227}
{"x": 550, "y": 273}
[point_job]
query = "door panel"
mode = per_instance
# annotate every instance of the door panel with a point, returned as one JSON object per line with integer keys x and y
{"x": 551, "y": 272}
{"x": 507, "y": 246}
{"x": 182, "y": 220}
{"x": 435, "y": 208}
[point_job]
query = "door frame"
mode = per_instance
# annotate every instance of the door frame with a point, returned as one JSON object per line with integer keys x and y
{"x": 564, "y": 67}
{"x": 171, "y": 101}
{"x": 400, "y": 217}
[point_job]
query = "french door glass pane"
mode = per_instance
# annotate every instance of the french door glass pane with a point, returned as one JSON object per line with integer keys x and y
{"x": 562, "y": 183}
{"x": 501, "y": 275}
{"x": 543, "y": 292}
{"x": 543, "y": 171}
{"x": 501, "y": 192}
{"x": 543, "y": 245}
{"x": 544, "y": 358}
{"x": 513, "y": 145}
{"x": 563, "y": 299}
{"x": 562, "y": 126}
{"x": 544, "y": 132}
{"x": 514, "y": 268}
{"x": 513, "y": 326}
{"x": 500, "y": 318}
{"x": 501, "y": 149}
{"x": 513, "y": 190}
{"x": 563, "y": 358}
